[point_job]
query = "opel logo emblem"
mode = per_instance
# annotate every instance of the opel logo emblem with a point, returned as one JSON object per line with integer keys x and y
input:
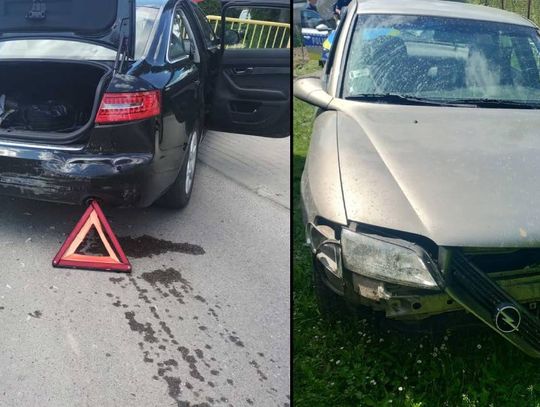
{"x": 507, "y": 318}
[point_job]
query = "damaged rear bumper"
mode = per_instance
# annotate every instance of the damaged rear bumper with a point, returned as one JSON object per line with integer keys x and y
{"x": 72, "y": 176}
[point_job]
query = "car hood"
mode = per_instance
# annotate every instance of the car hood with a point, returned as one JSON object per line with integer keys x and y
{"x": 98, "y": 21}
{"x": 459, "y": 176}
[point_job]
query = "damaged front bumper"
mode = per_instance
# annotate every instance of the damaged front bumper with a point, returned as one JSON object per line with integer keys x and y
{"x": 492, "y": 304}
{"x": 505, "y": 301}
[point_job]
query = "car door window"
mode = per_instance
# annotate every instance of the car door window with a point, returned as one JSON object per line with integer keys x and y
{"x": 257, "y": 27}
{"x": 180, "y": 43}
{"x": 210, "y": 38}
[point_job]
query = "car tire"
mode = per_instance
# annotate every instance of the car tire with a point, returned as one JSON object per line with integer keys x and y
{"x": 179, "y": 194}
{"x": 331, "y": 306}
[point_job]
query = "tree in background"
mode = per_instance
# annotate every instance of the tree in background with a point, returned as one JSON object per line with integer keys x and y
{"x": 211, "y": 7}
{"x": 517, "y": 6}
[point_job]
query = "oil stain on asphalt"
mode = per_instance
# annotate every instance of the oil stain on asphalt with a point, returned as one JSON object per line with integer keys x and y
{"x": 138, "y": 247}
{"x": 148, "y": 246}
{"x": 158, "y": 340}
{"x": 166, "y": 277}
{"x": 35, "y": 314}
{"x": 161, "y": 348}
{"x": 144, "y": 329}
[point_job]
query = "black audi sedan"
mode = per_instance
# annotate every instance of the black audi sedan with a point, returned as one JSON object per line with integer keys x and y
{"x": 109, "y": 99}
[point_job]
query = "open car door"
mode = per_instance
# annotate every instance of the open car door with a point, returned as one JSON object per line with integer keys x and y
{"x": 252, "y": 90}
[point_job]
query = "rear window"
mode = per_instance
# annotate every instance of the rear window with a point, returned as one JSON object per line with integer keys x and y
{"x": 66, "y": 49}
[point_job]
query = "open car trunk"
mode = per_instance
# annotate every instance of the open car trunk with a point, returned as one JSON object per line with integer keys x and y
{"x": 49, "y": 101}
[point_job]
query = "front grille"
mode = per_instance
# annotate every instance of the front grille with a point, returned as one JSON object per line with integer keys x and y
{"x": 478, "y": 293}
{"x": 494, "y": 260}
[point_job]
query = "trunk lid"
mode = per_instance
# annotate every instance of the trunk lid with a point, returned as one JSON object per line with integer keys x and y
{"x": 103, "y": 22}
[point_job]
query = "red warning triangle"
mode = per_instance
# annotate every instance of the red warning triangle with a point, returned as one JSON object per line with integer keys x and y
{"x": 68, "y": 257}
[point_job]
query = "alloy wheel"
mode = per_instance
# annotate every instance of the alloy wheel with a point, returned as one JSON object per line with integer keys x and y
{"x": 192, "y": 161}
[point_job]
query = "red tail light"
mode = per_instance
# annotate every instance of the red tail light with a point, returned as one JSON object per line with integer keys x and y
{"x": 126, "y": 107}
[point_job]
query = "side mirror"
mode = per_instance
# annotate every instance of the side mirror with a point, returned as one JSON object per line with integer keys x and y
{"x": 231, "y": 37}
{"x": 322, "y": 27}
{"x": 309, "y": 89}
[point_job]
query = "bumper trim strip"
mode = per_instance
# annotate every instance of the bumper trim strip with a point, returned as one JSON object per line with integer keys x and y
{"x": 5, "y": 143}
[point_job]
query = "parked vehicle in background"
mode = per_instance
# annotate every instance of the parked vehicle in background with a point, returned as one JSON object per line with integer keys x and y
{"x": 420, "y": 190}
{"x": 315, "y": 30}
{"x": 109, "y": 99}
{"x": 298, "y": 6}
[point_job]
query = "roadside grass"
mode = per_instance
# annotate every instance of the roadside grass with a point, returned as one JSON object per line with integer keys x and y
{"x": 308, "y": 67}
{"x": 352, "y": 363}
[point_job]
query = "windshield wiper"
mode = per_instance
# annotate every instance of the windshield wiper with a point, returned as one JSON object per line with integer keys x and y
{"x": 499, "y": 103}
{"x": 394, "y": 98}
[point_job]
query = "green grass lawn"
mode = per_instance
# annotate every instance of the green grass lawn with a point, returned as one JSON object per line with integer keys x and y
{"x": 356, "y": 364}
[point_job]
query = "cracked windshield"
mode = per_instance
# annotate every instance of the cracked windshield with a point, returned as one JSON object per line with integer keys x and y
{"x": 443, "y": 59}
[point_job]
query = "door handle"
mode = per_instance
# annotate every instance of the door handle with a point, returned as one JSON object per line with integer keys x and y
{"x": 242, "y": 71}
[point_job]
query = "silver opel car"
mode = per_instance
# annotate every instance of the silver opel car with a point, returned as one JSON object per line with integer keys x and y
{"x": 421, "y": 190}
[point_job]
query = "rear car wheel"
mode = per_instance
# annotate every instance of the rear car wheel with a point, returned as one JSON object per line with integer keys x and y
{"x": 179, "y": 194}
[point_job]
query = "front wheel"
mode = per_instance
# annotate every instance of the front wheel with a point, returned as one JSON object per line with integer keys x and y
{"x": 179, "y": 194}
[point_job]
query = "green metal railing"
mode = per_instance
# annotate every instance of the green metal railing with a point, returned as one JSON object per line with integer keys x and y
{"x": 256, "y": 33}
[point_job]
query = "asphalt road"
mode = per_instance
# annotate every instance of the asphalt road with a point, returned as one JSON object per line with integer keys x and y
{"x": 205, "y": 323}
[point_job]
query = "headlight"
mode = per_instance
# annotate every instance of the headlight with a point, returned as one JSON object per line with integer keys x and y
{"x": 391, "y": 260}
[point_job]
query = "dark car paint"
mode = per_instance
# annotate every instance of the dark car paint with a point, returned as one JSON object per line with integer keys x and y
{"x": 129, "y": 164}
{"x": 253, "y": 91}
{"x": 125, "y": 164}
